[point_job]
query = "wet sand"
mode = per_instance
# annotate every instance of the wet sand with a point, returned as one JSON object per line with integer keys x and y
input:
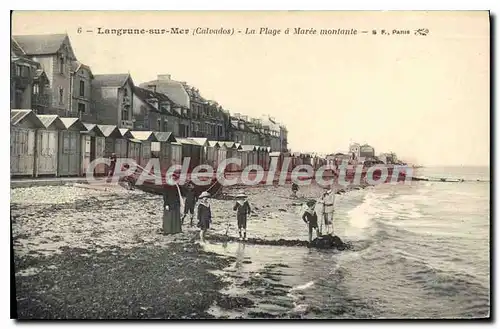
{"x": 83, "y": 253}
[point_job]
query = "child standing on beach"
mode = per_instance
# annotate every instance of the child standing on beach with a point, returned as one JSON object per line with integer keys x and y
{"x": 204, "y": 215}
{"x": 190, "y": 202}
{"x": 311, "y": 218}
{"x": 295, "y": 189}
{"x": 242, "y": 208}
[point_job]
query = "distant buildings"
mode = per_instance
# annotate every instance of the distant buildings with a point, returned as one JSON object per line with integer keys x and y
{"x": 113, "y": 96}
{"x": 81, "y": 101}
{"x": 55, "y": 54}
{"x": 47, "y": 77}
{"x": 366, "y": 151}
{"x": 29, "y": 84}
{"x": 388, "y": 158}
{"x": 354, "y": 149}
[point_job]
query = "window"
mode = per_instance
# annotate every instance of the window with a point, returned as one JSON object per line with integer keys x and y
{"x": 36, "y": 89}
{"x": 146, "y": 122}
{"x": 18, "y": 100}
{"x": 61, "y": 95}
{"x": 61, "y": 64}
{"x": 82, "y": 88}
{"x": 125, "y": 113}
{"x": 22, "y": 71}
{"x": 159, "y": 125}
{"x": 125, "y": 92}
{"x": 81, "y": 109}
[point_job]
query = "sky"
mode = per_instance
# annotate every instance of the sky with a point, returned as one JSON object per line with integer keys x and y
{"x": 426, "y": 98}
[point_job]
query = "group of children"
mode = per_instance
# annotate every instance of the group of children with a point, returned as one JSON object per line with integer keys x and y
{"x": 325, "y": 205}
{"x": 326, "y": 208}
{"x": 242, "y": 208}
{"x": 204, "y": 213}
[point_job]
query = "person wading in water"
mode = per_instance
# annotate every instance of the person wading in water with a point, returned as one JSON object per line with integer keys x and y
{"x": 242, "y": 208}
{"x": 190, "y": 202}
{"x": 328, "y": 204}
{"x": 311, "y": 218}
{"x": 204, "y": 215}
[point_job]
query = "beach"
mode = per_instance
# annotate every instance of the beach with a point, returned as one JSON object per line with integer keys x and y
{"x": 83, "y": 253}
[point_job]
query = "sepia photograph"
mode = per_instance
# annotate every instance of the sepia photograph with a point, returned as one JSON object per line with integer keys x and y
{"x": 249, "y": 165}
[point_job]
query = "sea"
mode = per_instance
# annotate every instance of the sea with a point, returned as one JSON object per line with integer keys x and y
{"x": 420, "y": 250}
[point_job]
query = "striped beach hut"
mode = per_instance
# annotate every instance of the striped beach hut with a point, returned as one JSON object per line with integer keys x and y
{"x": 165, "y": 139}
{"x": 47, "y": 145}
{"x": 121, "y": 144}
{"x": 212, "y": 153}
{"x": 229, "y": 150}
{"x": 111, "y": 134}
{"x": 176, "y": 153}
{"x": 192, "y": 150}
{"x": 146, "y": 138}
{"x": 203, "y": 142}
{"x": 23, "y": 127}
{"x": 70, "y": 147}
{"x": 248, "y": 155}
{"x": 88, "y": 145}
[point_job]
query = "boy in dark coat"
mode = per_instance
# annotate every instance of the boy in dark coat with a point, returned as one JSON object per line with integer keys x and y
{"x": 191, "y": 199}
{"x": 112, "y": 165}
{"x": 295, "y": 189}
{"x": 242, "y": 208}
{"x": 204, "y": 215}
{"x": 311, "y": 218}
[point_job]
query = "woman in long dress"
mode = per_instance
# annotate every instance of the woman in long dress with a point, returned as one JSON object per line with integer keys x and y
{"x": 171, "y": 211}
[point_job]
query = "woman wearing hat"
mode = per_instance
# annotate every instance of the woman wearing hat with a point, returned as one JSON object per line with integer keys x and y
{"x": 311, "y": 218}
{"x": 171, "y": 210}
{"x": 242, "y": 208}
{"x": 204, "y": 215}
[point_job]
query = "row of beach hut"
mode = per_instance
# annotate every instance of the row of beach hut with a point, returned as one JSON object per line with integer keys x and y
{"x": 49, "y": 145}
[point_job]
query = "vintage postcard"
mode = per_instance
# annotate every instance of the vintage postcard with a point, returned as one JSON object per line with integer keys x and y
{"x": 249, "y": 165}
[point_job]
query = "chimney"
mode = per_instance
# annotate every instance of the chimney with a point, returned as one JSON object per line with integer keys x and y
{"x": 164, "y": 77}
{"x": 152, "y": 88}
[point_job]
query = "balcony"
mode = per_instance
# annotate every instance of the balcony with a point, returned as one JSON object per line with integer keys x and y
{"x": 127, "y": 124}
{"x": 126, "y": 100}
{"x": 40, "y": 100}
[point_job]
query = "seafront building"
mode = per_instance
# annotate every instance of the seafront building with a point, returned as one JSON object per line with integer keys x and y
{"x": 48, "y": 78}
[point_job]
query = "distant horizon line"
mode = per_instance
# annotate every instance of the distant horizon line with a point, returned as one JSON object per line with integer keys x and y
{"x": 453, "y": 166}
